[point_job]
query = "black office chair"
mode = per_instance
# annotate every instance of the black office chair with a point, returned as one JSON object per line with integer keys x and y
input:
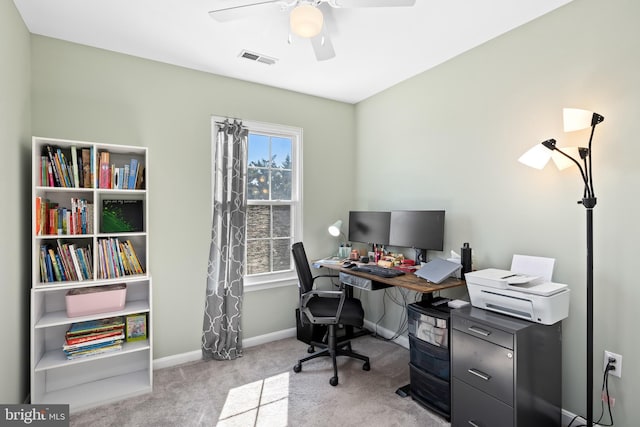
{"x": 330, "y": 308}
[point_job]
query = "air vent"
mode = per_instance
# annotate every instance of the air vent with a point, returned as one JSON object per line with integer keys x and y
{"x": 252, "y": 56}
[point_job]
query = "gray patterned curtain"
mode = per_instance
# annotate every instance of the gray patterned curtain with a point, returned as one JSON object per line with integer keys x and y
{"x": 221, "y": 332}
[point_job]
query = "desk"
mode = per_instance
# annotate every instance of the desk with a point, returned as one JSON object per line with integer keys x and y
{"x": 408, "y": 280}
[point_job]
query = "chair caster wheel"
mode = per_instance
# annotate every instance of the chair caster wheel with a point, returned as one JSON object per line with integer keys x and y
{"x": 311, "y": 349}
{"x": 297, "y": 368}
{"x": 333, "y": 381}
{"x": 366, "y": 366}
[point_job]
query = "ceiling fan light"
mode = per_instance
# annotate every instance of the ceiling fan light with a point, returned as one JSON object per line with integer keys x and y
{"x": 306, "y": 21}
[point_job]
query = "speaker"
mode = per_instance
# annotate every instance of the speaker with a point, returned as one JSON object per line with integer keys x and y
{"x": 465, "y": 259}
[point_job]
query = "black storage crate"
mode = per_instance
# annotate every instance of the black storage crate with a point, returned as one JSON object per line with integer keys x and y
{"x": 430, "y": 391}
{"x": 429, "y": 324}
{"x": 429, "y": 358}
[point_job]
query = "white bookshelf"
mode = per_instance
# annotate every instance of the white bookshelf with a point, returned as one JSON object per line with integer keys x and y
{"x": 103, "y": 378}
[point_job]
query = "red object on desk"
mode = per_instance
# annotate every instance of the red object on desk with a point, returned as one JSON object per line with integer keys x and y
{"x": 406, "y": 268}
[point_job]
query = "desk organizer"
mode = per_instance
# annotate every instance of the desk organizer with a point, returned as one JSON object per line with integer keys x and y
{"x": 95, "y": 299}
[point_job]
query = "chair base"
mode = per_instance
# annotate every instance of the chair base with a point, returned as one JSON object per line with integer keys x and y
{"x": 333, "y": 349}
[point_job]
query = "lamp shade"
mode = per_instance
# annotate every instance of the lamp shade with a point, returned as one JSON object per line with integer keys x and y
{"x": 306, "y": 21}
{"x": 562, "y": 162}
{"x": 536, "y": 157}
{"x": 577, "y": 119}
{"x": 335, "y": 228}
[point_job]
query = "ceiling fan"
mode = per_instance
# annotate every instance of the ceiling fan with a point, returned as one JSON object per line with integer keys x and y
{"x": 306, "y": 18}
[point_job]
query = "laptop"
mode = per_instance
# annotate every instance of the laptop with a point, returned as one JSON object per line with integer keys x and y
{"x": 437, "y": 270}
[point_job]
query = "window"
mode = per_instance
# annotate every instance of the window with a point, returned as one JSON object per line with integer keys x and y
{"x": 274, "y": 210}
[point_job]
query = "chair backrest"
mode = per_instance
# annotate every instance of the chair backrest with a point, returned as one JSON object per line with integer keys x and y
{"x": 302, "y": 267}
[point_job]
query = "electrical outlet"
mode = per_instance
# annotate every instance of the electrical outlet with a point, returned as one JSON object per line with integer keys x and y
{"x": 618, "y": 363}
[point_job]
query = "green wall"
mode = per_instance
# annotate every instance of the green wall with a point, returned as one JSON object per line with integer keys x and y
{"x": 96, "y": 95}
{"x": 15, "y": 181}
{"x": 450, "y": 138}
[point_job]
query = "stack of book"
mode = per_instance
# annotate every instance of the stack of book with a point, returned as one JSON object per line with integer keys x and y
{"x": 128, "y": 177}
{"x": 117, "y": 259}
{"x": 70, "y": 167}
{"x": 94, "y": 337}
{"x": 66, "y": 262}
{"x": 54, "y": 219}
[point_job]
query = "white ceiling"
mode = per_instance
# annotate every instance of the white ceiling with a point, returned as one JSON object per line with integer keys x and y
{"x": 375, "y": 47}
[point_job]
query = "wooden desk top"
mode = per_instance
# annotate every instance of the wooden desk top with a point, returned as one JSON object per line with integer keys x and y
{"x": 407, "y": 280}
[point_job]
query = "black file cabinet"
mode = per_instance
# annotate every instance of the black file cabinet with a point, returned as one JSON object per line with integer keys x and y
{"x": 506, "y": 372}
{"x": 429, "y": 366}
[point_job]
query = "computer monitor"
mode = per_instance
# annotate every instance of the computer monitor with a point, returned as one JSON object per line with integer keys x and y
{"x": 421, "y": 230}
{"x": 369, "y": 227}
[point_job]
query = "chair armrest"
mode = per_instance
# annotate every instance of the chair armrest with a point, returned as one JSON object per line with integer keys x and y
{"x": 304, "y": 299}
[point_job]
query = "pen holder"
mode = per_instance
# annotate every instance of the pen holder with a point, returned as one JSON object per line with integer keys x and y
{"x": 344, "y": 251}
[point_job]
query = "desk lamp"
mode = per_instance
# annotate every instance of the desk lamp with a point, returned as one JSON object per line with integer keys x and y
{"x": 335, "y": 230}
{"x": 538, "y": 156}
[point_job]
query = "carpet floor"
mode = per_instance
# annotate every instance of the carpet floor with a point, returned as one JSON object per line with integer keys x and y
{"x": 261, "y": 389}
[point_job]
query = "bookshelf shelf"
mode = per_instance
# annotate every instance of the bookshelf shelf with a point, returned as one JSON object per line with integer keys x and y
{"x": 55, "y": 359}
{"x": 57, "y": 318}
{"x": 77, "y": 243}
{"x": 109, "y": 389}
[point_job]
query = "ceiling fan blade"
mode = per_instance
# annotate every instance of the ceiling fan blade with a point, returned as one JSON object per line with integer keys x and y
{"x": 371, "y": 3}
{"x": 322, "y": 47}
{"x": 243, "y": 9}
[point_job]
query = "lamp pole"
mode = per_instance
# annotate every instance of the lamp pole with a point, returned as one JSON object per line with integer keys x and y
{"x": 589, "y": 203}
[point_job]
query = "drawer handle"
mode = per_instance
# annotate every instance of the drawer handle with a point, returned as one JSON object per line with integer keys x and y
{"x": 479, "y": 331}
{"x": 471, "y": 423}
{"x": 479, "y": 374}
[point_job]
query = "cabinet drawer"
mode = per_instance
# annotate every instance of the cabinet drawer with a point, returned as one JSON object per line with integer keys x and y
{"x": 482, "y": 331}
{"x": 429, "y": 358}
{"x": 484, "y": 365}
{"x": 473, "y": 408}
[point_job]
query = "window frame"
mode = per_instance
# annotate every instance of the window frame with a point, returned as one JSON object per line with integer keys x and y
{"x": 288, "y": 277}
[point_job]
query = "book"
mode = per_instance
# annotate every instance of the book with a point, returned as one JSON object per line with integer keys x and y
{"x": 54, "y": 265}
{"x": 80, "y": 179}
{"x": 136, "y": 327}
{"x": 86, "y": 167}
{"x": 95, "y": 336}
{"x": 107, "y": 323}
{"x": 93, "y": 166}
{"x": 117, "y": 182}
{"x": 74, "y": 166}
{"x": 66, "y": 177}
{"x": 131, "y": 253}
{"x": 104, "y": 177}
{"x": 76, "y": 263}
{"x": 39, "y": 219}
{"x": 50, "y": 150}
{"x": 91, "y": 340}
{"x": 140, "y": 178}
{"x": 121, "y": 216}
{"x": 95, "y": 351}
{"x": 133, "y": 172}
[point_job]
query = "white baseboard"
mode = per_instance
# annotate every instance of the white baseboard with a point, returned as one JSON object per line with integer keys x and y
{"x": 192, "y": 356}
{"x": 386, "y": 333}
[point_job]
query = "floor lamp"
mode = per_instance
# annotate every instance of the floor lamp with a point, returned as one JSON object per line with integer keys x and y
{"x": 538, "y": 157}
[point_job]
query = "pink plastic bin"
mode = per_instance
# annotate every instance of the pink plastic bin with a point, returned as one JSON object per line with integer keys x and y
{"x": 95, "y": 299}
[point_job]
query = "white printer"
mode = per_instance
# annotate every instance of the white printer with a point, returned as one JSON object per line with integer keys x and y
{"x": 530, "y": 297}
